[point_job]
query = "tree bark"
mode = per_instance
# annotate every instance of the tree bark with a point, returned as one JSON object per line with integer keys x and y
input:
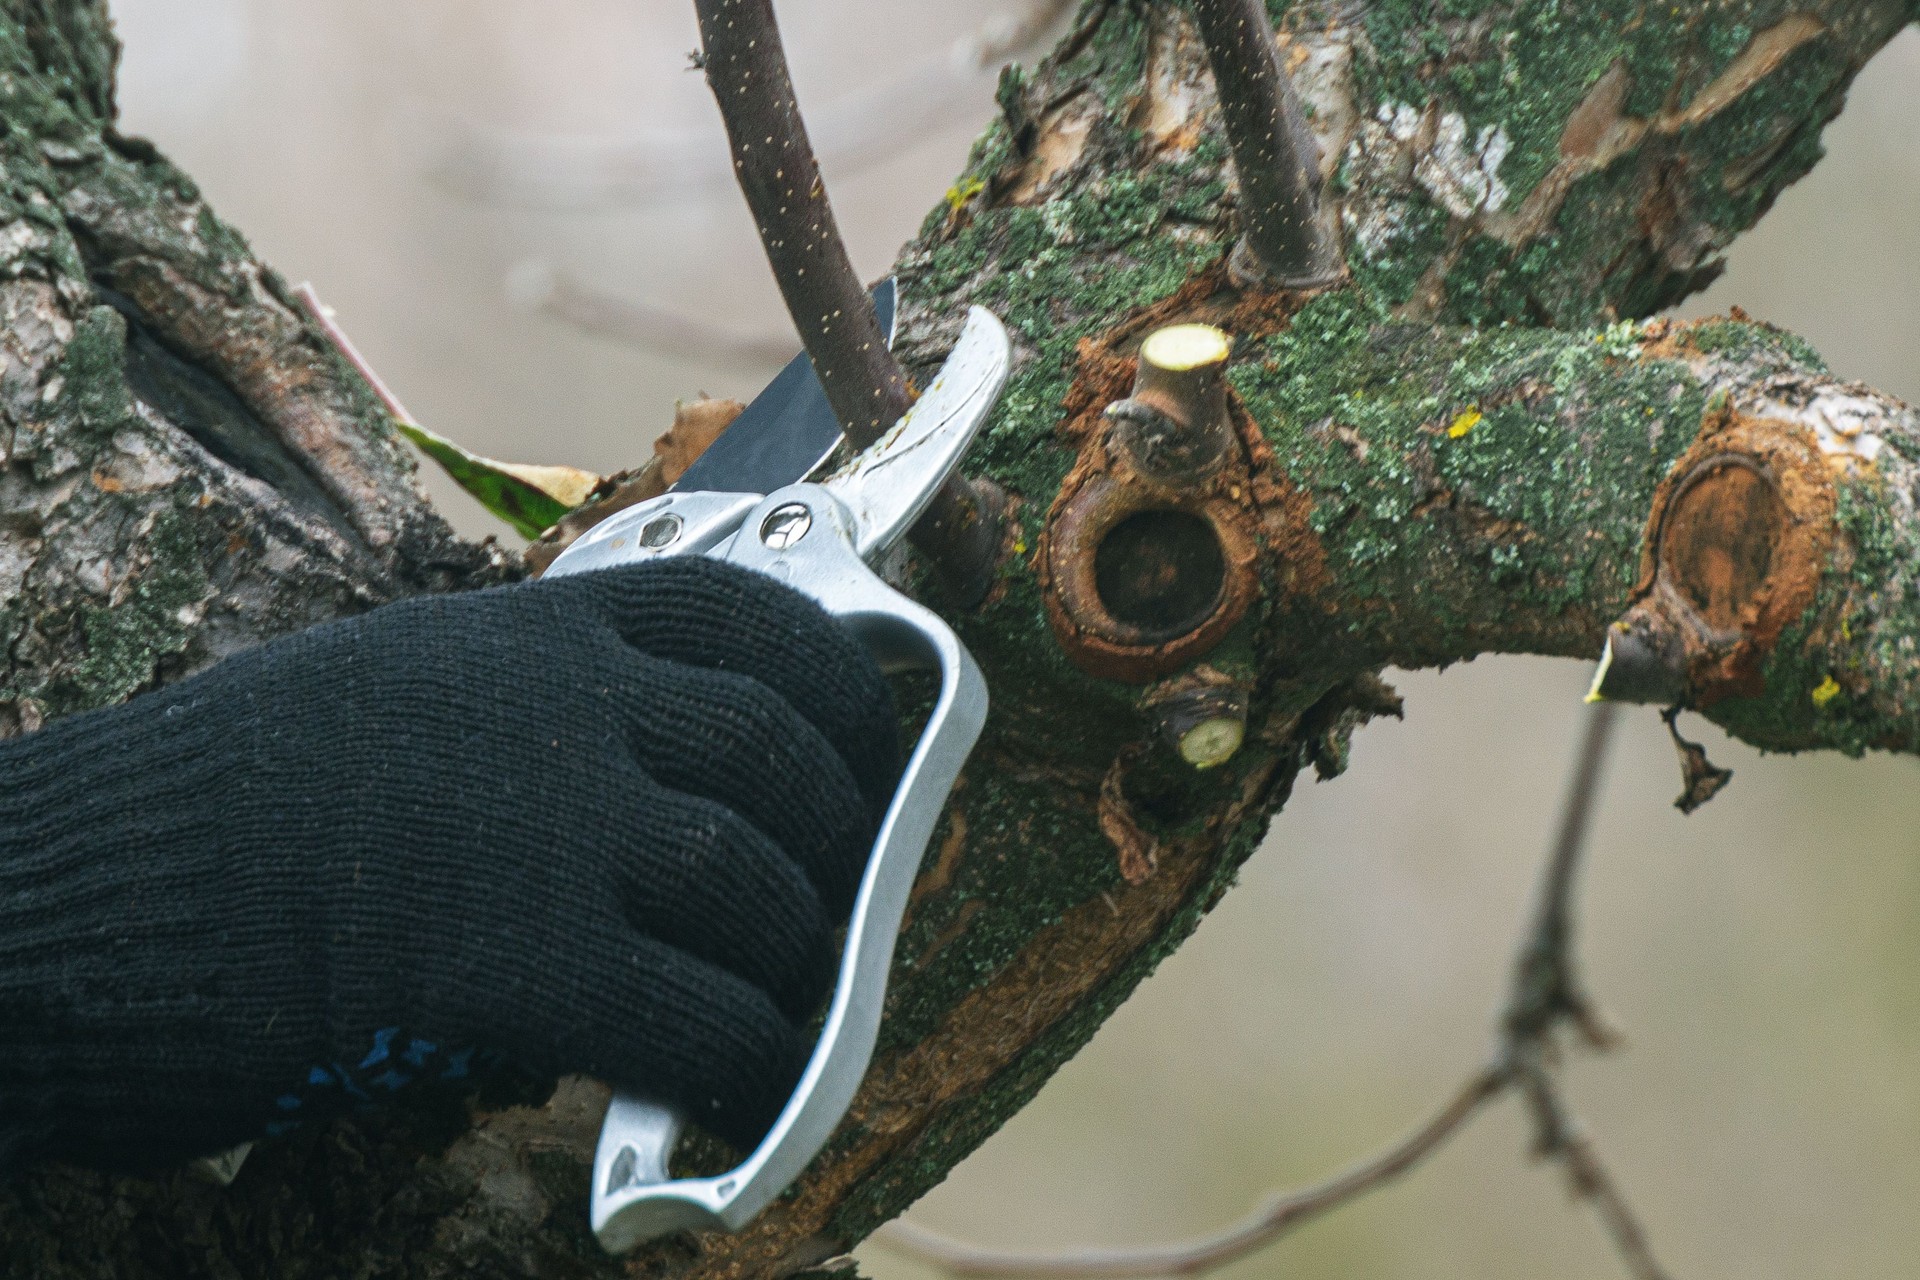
{"x": 1463, "y": 449}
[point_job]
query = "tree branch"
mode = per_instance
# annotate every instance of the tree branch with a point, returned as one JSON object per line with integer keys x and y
{"x": 867, "y": 125}
{"x": 1459, "y": 453}
{"x": 537, "y": 284}
{"x": 746, "y": 66}
{"x": 1546, "y": 991}
{"x": 1273, "y": 152}
{"x": 1546, "y": 985}
{"x": 1281, "y": 1215}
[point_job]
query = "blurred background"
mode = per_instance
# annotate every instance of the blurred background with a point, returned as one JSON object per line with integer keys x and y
{"x": 1762, "y": 956}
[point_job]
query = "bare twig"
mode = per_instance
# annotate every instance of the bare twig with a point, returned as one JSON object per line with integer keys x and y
{"x": 1545, "y": 992}
{"x": 1592, "y": 1183}
{"x": 1546, "y": 985}
{"x": 773, "y": 160}
{"x": 1273, "y": 152}
{"x": 1280, "y": 1214}
{"x": 538, "y": 285}
{"x": 747, "y": 69}
{"x": 1082, "y": 31}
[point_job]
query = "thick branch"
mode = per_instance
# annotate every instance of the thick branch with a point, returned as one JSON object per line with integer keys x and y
{"x": 1412, "y": 482}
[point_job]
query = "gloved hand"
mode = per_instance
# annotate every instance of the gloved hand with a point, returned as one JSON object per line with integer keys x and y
{"x": 601, "y": 824}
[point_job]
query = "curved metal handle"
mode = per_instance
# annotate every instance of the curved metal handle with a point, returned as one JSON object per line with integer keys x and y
{"x": 803, "y": 536}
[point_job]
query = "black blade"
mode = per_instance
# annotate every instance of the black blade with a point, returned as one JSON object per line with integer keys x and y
{"x": 786, "y": 432}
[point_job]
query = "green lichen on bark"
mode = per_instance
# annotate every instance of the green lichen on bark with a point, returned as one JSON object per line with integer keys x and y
{"x": 1846, "y": 676}
{"x": 1644, "y": 227}
{"x": 959, "y": 1130}
{"x": 1451, "y": 468}
{"x": 1522, "y": 531}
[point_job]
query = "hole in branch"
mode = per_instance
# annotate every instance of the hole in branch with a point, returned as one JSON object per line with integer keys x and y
{"x": 1161, "y": 572}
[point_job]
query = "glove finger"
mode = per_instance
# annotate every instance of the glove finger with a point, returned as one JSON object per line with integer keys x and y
{"x": 651, "y": 1020}
{"x": 728, "y": 738}
{"x": 699, "y": 877}
{"x": 709, "y": 614}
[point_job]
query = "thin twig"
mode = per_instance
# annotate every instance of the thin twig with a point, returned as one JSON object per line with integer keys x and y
{"x": 322, "y": 315}
{"x": 1084, "y": 27}
{"x": 1592, "y": 1181}
{"x": 873, "y": 122}
{"x": 1546, "y": 985}
{"x": 1545, "y": 992}
{"x": 1274, "y": 154}
{"x": 1280, "y": 1214}
{"x": 746, "y": 67}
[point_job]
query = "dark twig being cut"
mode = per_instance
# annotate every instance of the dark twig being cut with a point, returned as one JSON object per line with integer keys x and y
{"x": 1545, "y": 993}
{"x": 746, "y": 67}
{"x": 1273, "y": 152}
{"x": 773, "y": 160}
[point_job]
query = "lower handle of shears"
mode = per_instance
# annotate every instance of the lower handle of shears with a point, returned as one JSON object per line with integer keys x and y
{"x": 636, "y": 1141}
{"x": 803, "y": 536}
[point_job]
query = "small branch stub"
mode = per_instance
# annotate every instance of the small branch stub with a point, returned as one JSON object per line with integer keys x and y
{"x": 1174, "y": 426}
{"x": 1150, "y": 551}
{"x": 1287, "y": 240}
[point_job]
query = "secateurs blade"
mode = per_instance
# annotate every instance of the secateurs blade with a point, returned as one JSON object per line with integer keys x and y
{"x": 822, "y": 539}
{"x": 787, "y": 432}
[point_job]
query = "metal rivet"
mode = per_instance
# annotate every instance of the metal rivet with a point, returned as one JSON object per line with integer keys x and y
{"x": 786, "y": 526}
{"x": 661, "y": 531}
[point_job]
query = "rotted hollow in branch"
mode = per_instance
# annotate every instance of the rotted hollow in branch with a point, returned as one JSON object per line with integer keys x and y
{"x": 1273, "y": 152}
{"x": 1149, "y": 554}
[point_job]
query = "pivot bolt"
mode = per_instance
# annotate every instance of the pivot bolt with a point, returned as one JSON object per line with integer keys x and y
{"x": 661, "y": 531}
{"x": 786, "y": 526}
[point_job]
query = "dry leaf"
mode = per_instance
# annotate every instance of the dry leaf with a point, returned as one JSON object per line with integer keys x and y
{"x": 1701, "y": 778}
{"x": 695, "y": 426}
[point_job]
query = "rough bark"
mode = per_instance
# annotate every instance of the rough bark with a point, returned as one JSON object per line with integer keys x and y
{"x": 1465, "y": 449}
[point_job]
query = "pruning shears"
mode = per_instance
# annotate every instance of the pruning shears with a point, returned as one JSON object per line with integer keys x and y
{"x": 823, "y": 539}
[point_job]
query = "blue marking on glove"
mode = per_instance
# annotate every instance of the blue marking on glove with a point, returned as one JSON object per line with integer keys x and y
{"x": 330, "y": 1088}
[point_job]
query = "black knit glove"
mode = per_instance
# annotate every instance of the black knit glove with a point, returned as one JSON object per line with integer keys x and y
{"x": 602, "y": 824}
